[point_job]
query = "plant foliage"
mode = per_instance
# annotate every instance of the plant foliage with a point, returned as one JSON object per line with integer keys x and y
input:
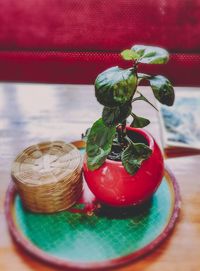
{"x": 116, "y": 90}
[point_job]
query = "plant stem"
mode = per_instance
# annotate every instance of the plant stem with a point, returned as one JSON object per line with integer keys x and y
{"x": 143, "y": 98}
{"x": 121, "y": 131}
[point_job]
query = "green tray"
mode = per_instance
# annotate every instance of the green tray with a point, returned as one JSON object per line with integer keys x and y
{"x": 90, "y": 236}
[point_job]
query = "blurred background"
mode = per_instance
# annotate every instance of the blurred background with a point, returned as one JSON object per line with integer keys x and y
{"x": 71, "y": 41}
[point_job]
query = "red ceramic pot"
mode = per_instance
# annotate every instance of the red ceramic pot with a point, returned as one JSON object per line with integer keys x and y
{"x": 112, "y": 185}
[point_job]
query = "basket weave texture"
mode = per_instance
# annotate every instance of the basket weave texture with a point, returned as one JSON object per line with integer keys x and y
{"x": 48, "y": 176}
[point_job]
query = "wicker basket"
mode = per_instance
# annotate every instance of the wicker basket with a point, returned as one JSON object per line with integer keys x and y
{"x": 48, "y": 176}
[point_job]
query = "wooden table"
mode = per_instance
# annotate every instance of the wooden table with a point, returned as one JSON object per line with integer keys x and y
{"x": 30, "y": 113}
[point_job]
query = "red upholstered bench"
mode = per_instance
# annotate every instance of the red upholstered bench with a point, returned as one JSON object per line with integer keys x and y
{"x": 71, "y": 41}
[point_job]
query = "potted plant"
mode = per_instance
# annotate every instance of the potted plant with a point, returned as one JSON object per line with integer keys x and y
{"x": 124, "y": 165}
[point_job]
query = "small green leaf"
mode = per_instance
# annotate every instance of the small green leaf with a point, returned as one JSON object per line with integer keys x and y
{"x": 110, "y": 115}
{"x": 114, "y": 115}
{"x": 134, "y": 155}
{"x": 151, "y": 54}
{"x": 115, "y": 86}
{"x": 99, "y": 143}
{"x": 139, "y": 122}
{"x": 162, "y": 89}
{"x": 85, "y": 135}
{"x": 129, "y": 55}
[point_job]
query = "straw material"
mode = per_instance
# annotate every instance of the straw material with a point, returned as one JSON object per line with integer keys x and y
{"x": 48, "y": 176}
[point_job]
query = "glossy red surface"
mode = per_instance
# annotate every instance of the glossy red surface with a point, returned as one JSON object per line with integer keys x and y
{"x": 112, "y": 185}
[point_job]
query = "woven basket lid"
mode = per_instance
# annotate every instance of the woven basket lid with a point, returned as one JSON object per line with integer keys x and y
{"x": 46, "y": 163}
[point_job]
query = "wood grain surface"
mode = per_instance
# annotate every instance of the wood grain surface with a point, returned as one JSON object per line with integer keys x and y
{"x": 30, "y": 113}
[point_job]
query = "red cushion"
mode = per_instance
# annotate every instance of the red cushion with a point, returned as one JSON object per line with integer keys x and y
{"x": 58, "y": 67}
{"x": 42, "y": 40}
{"x": 89, "y": 25}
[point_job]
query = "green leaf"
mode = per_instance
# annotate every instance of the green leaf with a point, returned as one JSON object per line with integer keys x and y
{"x": 115, "y": 86}
{"x": 129, "y": 55}
{"x": 162, "y": 89}
{"x": 151, "y": 54}
{"x": 134, "y": 155}
{"x": 161, "y": 86}
{"x": 114, "y": 115}
{"x": 99, "y": 143}
{"x": 110, "y": 115}
{"x": 139, "y": 122}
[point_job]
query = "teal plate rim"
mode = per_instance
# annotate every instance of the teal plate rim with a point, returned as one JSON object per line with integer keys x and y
{"x": 33, "y": 250}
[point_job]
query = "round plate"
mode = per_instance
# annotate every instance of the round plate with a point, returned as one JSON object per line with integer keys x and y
{"x": 90, "y": 236}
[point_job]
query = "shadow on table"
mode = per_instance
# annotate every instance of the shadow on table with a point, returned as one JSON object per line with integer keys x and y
{"x": 124, "y": 212}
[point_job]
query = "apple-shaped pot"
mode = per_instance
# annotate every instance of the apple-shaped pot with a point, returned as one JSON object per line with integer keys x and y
{"x": 113, "y": 185}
